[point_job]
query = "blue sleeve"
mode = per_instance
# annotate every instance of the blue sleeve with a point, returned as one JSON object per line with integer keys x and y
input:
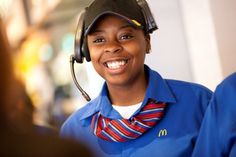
{"x": 217, "y": 135}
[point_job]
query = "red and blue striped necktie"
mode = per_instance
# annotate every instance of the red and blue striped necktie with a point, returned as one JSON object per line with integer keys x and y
{"x": 122, "y": 130}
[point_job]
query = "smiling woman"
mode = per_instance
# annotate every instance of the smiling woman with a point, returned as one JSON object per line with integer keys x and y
{"x": 116, "y": 38}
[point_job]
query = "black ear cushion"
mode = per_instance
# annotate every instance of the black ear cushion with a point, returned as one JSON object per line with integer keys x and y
{"x": 78, "y": 55}
{"x": 85, "y": 50}
{"x": 79, "y": 35}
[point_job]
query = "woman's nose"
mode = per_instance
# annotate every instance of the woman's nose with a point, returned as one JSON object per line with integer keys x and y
{"x": 113, "y": 47}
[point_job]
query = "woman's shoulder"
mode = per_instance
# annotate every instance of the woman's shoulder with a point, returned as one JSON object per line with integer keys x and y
{"x": 229, "y": 80}
{"x": 225, "y": 92}
{"x": 77, "y": 117}
{"x": 187, "y": 86}
{"x": 85, "y": 110}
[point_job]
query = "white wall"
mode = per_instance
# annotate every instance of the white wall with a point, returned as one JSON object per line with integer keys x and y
{"x": 224, "y": 17}
{"x": 185, "y": 47}
{"x": 203, "y": 48}
{"x": 169, "y": 55}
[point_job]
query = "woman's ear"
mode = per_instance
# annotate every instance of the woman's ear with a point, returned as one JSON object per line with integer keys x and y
{"x": 148, "y": 43}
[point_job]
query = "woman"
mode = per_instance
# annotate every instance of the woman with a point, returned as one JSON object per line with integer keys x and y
{"x": 137, "y": 113}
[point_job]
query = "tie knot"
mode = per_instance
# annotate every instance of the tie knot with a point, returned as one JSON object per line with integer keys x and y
{"x": 122, "y": 130}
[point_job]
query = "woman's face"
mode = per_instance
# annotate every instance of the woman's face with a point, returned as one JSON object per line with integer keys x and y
{"x": 118, "y": 51}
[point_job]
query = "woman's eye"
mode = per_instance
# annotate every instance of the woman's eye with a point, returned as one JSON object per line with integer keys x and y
{"x": 126, "y": 36}
{"x": 98, "y": 40}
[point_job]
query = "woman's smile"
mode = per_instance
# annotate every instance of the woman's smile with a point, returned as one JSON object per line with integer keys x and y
{"x": 116, "y": 66}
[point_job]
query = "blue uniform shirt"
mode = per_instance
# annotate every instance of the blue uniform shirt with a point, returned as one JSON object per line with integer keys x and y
{"x": 217, "y": 137}
{"x": 173, "y": 136}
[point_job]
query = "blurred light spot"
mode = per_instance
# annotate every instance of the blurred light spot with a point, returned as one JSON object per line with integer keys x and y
{"x": 4, "y": 7}
{"x": 68, "y": 43}
{"x": 46, "y": 52}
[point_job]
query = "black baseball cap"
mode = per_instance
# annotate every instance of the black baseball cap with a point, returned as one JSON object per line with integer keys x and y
{"x": 127, "y": 9}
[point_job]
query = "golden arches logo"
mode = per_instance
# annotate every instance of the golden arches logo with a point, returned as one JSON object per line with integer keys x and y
{"x": 162, "y": 132}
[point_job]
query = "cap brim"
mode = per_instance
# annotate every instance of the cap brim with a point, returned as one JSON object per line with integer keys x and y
{"x": 133, "y": 22}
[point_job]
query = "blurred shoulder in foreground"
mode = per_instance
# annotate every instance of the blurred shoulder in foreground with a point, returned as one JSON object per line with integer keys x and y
{"x": 17, "y": 139}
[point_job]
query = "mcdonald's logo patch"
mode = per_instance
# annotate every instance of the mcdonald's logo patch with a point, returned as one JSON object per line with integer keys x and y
{"x": 162, "y": 132}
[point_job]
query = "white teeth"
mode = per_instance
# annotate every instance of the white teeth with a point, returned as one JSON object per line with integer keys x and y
{"x": 115, "y": 64}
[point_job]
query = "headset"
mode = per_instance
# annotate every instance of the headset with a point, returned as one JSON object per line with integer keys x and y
{"x": 80, "y": 44}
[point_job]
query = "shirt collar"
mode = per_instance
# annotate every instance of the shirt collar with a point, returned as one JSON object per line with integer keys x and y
{"x": 157, "y": 89}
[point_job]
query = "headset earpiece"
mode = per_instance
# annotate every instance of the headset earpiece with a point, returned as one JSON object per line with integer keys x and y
{"x": 84, "y": 50}
{"x": 78, "y": 56}
{"x": 81, "y": 48}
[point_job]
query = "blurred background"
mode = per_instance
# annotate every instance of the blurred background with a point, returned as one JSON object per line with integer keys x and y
{"x": 195, "y": 42}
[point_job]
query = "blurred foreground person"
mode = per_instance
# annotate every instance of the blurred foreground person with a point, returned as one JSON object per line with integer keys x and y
{"x": 21, "y": 112}
{"x": 217, "y": 137}
{"x": 15, "y": 142}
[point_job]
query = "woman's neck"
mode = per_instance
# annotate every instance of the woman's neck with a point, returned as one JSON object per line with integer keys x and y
{"x": 128, "y": 94}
